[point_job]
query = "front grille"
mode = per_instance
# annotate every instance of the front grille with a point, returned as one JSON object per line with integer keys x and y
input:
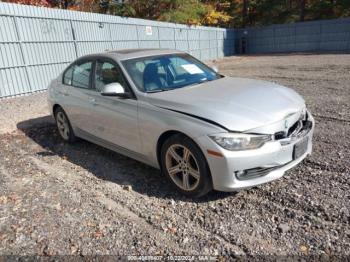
{"x": 280, "y": 135}
{"x": 296, "y": 130}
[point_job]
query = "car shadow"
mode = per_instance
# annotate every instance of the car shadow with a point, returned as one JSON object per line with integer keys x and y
{"x": 104, "y": 163}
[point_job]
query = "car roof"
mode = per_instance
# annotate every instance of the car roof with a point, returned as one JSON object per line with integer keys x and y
{"x": 124, "y": 54}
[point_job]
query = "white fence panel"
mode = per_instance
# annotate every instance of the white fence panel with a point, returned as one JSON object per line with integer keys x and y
{"x": 36, "y": 44}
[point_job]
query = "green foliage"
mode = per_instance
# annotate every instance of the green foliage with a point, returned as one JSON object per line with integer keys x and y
{"x": 185, "y": 12}
{"x": 192, "y": 12}
{"x": 224, "y": 13}
{"x": 265, "y": 12}
{"x": 147, "y": 9}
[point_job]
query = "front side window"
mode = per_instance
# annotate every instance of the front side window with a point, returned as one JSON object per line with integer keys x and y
{"x": 107, "y": 73}
{"x": 165, "y": 72}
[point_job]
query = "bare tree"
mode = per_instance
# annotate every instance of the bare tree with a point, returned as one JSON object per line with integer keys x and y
{"x": 245, "y": 11}
{"x": 302, "y": 10}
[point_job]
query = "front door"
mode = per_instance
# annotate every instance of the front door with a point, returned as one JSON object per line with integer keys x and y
{"x": 115, "y": 119}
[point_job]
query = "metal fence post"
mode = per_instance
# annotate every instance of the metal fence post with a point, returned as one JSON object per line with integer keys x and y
{"x": 200, "y": 48}
{"x": 110, "y": 35}
{"x": 295, "y": 37}
{"x": 137, "y": 36}
{"x": 174, "y": 30}
{"x": 74, "y": 40}
{"x": 188, "y": 43}
{"x": 273, "y": 38}
{"x": 348, "y": 47}
{"x": 158, "y": 27}
{"x": 217, "y": 45}
{"x": 25, "y": 64}
{"x": 320, "y": 35}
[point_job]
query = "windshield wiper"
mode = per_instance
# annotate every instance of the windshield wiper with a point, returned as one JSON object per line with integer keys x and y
{"x": 156, "y": 91}
{"x": 200, "y": 82}
{"x": 180, "y": 86}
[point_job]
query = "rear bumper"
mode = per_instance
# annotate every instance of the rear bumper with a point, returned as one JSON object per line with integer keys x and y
{"x": 265, "y": 164}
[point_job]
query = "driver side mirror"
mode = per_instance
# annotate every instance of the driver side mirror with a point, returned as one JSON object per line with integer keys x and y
{"x": 114, "y": 89}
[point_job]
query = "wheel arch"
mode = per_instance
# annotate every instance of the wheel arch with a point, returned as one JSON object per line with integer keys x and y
{"x": 166, "y": 135}
{"x": 54, "y": 108}
{"x": 170, "y": 133}
{"x": 162, "y": 138}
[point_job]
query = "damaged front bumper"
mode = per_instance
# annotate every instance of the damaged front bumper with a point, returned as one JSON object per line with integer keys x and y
{"x": 237, "y": 170}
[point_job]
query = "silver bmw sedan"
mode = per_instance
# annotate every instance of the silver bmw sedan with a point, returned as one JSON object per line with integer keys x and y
{"x": 165, "y": 108}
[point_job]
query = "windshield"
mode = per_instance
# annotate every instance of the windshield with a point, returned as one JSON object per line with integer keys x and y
{"x": 166, "y": 72}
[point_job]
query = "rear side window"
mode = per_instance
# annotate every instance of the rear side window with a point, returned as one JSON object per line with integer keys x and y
{"x": 78, "y": 75}
{"x": 81, "y": 75}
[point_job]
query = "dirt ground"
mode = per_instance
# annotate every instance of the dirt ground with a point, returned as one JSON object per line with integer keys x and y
{"x": 82, "y": 199}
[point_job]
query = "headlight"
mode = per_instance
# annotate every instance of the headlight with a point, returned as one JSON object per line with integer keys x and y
{"x": 236, "y": 142}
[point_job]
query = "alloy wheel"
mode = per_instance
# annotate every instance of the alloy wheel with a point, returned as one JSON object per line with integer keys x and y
{"x": 62, "y": 125}
{"x": 182, "y": 167}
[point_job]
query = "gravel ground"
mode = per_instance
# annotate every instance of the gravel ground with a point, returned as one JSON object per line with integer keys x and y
{"x": 83, "y": 199}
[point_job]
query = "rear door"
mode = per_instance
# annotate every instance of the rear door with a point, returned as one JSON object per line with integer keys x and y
{"x": 76, "y": 91}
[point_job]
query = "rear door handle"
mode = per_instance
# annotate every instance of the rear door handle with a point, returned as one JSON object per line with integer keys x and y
{"x": 64, "y": 93}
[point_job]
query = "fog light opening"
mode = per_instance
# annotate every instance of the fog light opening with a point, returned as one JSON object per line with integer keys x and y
{"x": 241, "y": 173}
{"x": 254, "y": 172}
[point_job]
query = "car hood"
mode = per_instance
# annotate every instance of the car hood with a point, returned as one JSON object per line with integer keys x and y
{"x": 238, "y": 104}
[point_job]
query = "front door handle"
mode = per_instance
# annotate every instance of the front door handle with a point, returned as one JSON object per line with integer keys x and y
{"x": 93, "y": 101}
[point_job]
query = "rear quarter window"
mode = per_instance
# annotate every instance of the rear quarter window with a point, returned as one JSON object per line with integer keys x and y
{"x": 67, "y": 76}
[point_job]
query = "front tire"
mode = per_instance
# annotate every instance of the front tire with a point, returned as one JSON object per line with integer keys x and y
{"x": 185, "y": 166}
{"x": 64, "y": 127}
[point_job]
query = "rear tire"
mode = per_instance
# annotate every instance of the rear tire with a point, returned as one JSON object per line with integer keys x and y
{"x": 185, "y": 166}
{"x": 64, "y": 127}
